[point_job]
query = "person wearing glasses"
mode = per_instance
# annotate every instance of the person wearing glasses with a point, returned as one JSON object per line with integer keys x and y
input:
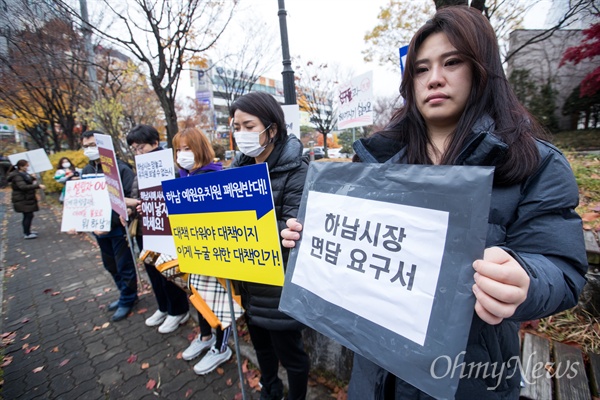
{"x": 173, "y": 306}
{"x": 114, "y": 249}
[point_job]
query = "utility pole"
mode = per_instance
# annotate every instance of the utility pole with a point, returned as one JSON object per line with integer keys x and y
{"x": 289, "y": 86}
{"x": 87, "y": 38}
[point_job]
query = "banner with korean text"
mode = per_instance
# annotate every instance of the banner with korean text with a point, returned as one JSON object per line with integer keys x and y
{"x": 224, "y": 225}
{"x": 110, "y": 168}
{"x": 384, "y": 266}
{"x": 86, "y": 206}
{"x": 355, "y": 100}
{"x": 152, "y": 169}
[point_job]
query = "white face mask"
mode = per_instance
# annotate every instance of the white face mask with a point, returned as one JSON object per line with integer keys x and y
{"x": 249, "y": 142}
{"x": 186, "y": 160}
{"x": 92, "y": 153}
{"x": 66, "y": 165}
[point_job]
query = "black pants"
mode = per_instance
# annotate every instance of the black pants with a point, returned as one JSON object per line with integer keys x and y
{"x": 286, "y": 347}
{"x": 27, "y": 218}
{"x": 169, "y": 297}
{"x": 221, "y": 334}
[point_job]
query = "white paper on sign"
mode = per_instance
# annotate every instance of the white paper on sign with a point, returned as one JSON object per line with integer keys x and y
{"x": 378, "y": 260}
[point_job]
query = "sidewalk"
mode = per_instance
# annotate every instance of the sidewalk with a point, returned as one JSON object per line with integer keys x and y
{"x": 59, "y": 341}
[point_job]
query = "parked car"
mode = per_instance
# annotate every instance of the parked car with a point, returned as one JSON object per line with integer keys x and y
{"x": 318, "y": 150}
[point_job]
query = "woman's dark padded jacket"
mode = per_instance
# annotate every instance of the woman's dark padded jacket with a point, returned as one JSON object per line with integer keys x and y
{"x": 535, "y": 221}
{"x": 23, "y": 191}
{"x": 287, "y": 171}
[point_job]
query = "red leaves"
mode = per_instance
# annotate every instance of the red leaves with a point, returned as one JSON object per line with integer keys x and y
{"x": 64, "y": 362}
{"x": 151, "y": 384}
{"x": 132, "y": 358}
{"x": 588, "y": 49}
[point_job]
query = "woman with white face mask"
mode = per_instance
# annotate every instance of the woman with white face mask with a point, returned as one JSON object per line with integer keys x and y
{"x": 194, "y": 155}
{"x": 261, "y": 136}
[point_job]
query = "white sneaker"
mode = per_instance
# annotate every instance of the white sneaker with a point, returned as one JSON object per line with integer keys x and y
{"x": 197, "y": 347}
{"x": 30, "y": 236}
{"x": 172, "y": 322}
{"x": 156, "y": 319}
{"x": 212, "y": 360}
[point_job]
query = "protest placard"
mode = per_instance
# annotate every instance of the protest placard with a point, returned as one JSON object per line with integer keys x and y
{"x": 384, "y": 266}
{"x": 224, "y": 225}
{"x": 38, "y": 160}
{"x": 108, "y": 160}
{"x": 86, "y": 206}
{"x": 152, "y": 169}
{"x": 355, "y": 100}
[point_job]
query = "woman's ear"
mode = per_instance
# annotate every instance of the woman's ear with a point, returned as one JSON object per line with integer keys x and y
{"x": 273, "y": 131}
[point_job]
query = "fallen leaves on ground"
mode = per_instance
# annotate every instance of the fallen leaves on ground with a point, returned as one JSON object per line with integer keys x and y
{"x": 179, "y": 355}
{"x": 38, "y": 369}
{"x": 142, "y": 310}
{"x": 32, "y": 348}
{"x": 70, "y": 298}
{"x": 220, "y": 371}
{"x": 54, "y": 350}
{"x": 145, "y": 365}
{"x": 26, "y": 336}
{"x": 6, "y": 362}
{"x": 64, "y": 362}
{"x": 132, "y": 358}
{"x": 151, "y": 384}
{"x": 188, "y": 393}
{"x": 229, "y": 382}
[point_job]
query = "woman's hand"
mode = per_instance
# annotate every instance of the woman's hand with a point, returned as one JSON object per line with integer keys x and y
{"x": 43, "y": 187}
{"x": 501, "y": 285}
{"x": 292, "y": 233}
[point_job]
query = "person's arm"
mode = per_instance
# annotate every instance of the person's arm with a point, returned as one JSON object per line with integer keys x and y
{"x": 292, "y": 195}
{"x": 546, "y": 241}
{"x": 22, "y": 185}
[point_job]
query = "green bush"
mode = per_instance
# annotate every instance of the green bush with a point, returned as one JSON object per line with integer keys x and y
{"x": 76, "y": 157}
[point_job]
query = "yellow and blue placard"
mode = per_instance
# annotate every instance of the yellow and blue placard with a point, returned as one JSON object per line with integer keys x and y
{"x": 224, "y": 225}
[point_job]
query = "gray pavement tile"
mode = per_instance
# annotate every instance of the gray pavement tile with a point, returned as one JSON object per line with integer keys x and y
{"x": 55, "y": 295}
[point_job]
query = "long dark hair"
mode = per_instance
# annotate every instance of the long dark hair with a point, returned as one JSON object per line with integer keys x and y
{"x": 473, "y": 36}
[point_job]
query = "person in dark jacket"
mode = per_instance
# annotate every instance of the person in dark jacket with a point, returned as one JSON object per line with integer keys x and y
{"x": 24, "y": 199}
{"x": 460, "y": 110}
{"x": 173, "y": 305}
{"x": 114, "y": 249}
{"x": 261, "y": 136}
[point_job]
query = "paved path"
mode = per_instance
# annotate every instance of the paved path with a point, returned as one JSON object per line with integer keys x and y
{"x": 59, "y": 341}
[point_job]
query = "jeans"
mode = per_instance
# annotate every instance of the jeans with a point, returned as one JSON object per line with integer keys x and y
{"x": 118, "y": 261}
{"x": 27, "y": 218}
{"x": 286, "y": 347}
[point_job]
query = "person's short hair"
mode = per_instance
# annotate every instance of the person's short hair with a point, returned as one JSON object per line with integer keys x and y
{"x": 198, "y": 144}
{"x": 90, "y": 133}
{"x": 143, "y": 134}
{"x": 21, "y": 163}
{"x": 263, "y": 106}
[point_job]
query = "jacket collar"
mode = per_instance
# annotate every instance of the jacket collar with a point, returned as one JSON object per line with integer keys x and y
{"x": 286, "y": 155}
{"x": 482, "y": 147}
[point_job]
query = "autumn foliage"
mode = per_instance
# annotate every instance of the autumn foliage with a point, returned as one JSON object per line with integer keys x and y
{"x": 588, "y": 49}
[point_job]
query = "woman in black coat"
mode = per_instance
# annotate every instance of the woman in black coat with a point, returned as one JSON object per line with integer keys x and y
{"x": 261, "y": 135}
{"x": 23, "y": 195}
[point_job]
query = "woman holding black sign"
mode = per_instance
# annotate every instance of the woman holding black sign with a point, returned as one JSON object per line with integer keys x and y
{"x": 261, "y": 135}
{"x": 460, "y": 110}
